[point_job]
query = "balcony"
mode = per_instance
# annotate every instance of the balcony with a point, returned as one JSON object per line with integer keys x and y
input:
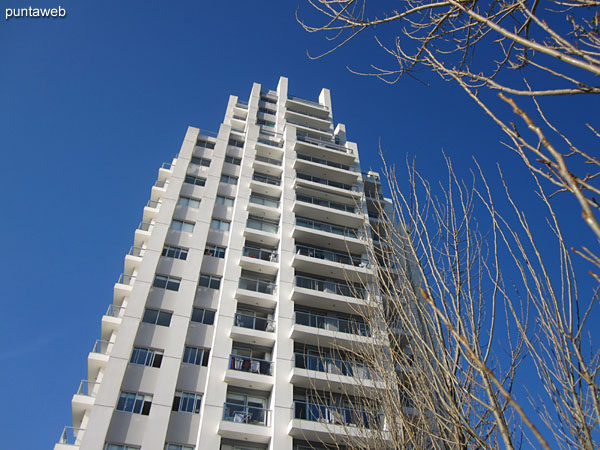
{"x": 257, "y": 291}
{"x": 319, "y": 261}
{"x": 317, "y": 329}
{"x": 337, "y": 212}
{"x": 306, "y": 125}
{"x": 253, "y": 330}
{"x": 262, "y": 231}
{"x": 159, "y": 189}
{"x": 151, "y": 210}
{"x": 83, "y": 400}
{"x": 111, "y": 321}
{"x": 98, "y": 358}
{"x": 264, "y": 205}
{"x": 268, "y": 166}
{"x": 259, "y": 260}
{"x": 123, "y": 287}
{"x": 311, "y": 119}
{"x": 70, "y": 438}
{"x": 329, "y": 235}
{"x": 142, "y": 234}
{"x": 336, "y": 187}
{"x": 246, "y": 423}
{"x": 308, "y": 105}
{"x": 266, "y": 185}
{"x": 324, "y": 148}
{"x": 317, "y": 292}
{"x": 317, "y": 412}
{"x": 133, "y": 258}
{"x": 267, "y": 160}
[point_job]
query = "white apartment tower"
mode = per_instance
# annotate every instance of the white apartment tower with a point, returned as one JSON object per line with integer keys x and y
{"x": 244, "y": 274}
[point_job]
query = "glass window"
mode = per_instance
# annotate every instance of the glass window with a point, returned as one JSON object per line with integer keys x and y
{"x": 180, "y": 225}
{"x": 205, "y": 316}
{"x": 209, "y": 281}
{"x": 197, "y": 181}
{"x": 134, "y": 403}
{"x": 196, "y": 355}
{"x": 236, "y": 143}
{"x": 119, "y": 447}
{"x": 233, "y": 160}
{"x": 178, "y": 447}
{"x": 189, "y": 202}
{"x": 187, "y": 402}
{"x": 205, "y": 144}
{"x": 175, "y": 252}
{"x": 215, "y": 250}
{"x": 227, "y": 201}
{"x": 218, "y": 224}
{"x": 229, "y": 179}
{"x": 146, "y": 357}
{"x": 167, "y": 282}
{"x": 157, "y": 317}
{"x": 200, "y": 161}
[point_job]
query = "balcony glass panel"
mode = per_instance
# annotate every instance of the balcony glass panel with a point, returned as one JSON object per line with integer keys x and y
{"x": 254, "y": 323}
{"x": 261, "y": 225}
{"x": 323, "y": 226}
{"x": 257, "y": 285}
{"x": 325, "y": 162}
{"x": 321, "y": 143}
{"x": 330, "y": 286}
{"x": 233, "y": 412}
{"x": 266, "y": 179}
{"x": 268, "y": 160}
{"x": 326, "y": 182}
{"x": 331, "y": 256}
{"x": 330, "y": 365}
{"x": 326, "y": 203}
{"x": 248, "y": 364}
{"x": 337, "y": 415}
{"x": 71, "y": 436}
{"x": 331, "y": 323}
{"x": 260, "y": 253}
{"x": 265, "y": 201}
{"x": 88, "y": 388}
{"x": 114, "y": 310}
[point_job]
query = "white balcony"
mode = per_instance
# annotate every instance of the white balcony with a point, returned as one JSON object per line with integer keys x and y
{"x": 328, "y": 210}
{"x": 245, "y": 423}
{"x": 321, "y": 262}
{"x": 328, "y": 331}
{"x": 249, "y": 373}
{"x": 257, "y": 292}
{"x": 98, "y": 358}
{"x": 84, "y": 399}
{"x": 326, "y": 168}
{"x": 331, "y": 186}
{"x": 259, "y": 260}
{"x": 339, "y": 297}
{"x": 335, "y": 237}
{"x": 324, "y": 148}
{"x": 268, "y": 165}
{"x": 111, "y": 321}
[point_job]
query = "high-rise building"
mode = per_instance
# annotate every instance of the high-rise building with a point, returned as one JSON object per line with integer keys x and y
{"x": 239, "y": 292}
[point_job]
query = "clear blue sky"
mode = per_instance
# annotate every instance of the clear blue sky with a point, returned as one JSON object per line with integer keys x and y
{"x": 92, "y": 104}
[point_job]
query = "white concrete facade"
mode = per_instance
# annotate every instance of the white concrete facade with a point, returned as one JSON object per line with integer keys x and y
{"x": 241, "y": 269}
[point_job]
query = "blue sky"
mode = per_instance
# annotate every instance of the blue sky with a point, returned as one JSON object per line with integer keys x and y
{"x": 92, "y": 104}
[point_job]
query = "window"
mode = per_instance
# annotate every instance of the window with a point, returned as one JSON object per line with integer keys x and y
{"x": 190, "y": 179}
{"x": 157, "y": 317}
{"x": 195, "y": 355}
{"x": 218, "y": 224}
{"x": 266, "y": 111}
{"x": 134, "y": 403}
{"x": 229, "y": 179}
{"x": 209, "y": 281}
{"x": 200, "y": 161}
{"x": 175, "y": 252}
{"x": 235, "y": 143}
{"x": 227, "y": 201}
{"x": 205, "y": 316}
{"x": 146, "y": 357}
{"x": 187, "y": 201}
{"x": 187, "y": 402}
{"x": 178, "y": 447}
{"x": 167, "y": 282}
{"x": 119, "y": 447}
{"x": 205, "y": 144}
{"x": 265, "y": 123}
{"x": 233, "y": 160}
{"x": 180, "y": 225}
{"x": 214, "y": 250}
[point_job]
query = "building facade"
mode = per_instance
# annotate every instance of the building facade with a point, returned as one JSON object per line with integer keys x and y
{"x": 239, "y": 291}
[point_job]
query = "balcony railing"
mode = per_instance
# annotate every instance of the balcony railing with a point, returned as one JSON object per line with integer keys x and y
{"x": 311, "y": 127}
{"x": 233, "y": 412}
{"x": 370, "y": 178}
{"x": 248, "y": 364}
{"x": 254, "y": 323}
{"x": 88, "y": 388}
{"x": 101, "y": 347}
{"x": 126, "y": 279}
{"x": 324, "y": 144}
{"x": 257, "y": 285}
{"x": 265, "y": 201}
{"x": 153, "y": 204}
{"x": 160, "y": 183}
{"x": 70, "y": 435}
{"x": 329, "y": 228}
{"x": 326, "y": 162}
{"x": 260, "y": 253}
{"x": 136, "y": 251}
{"x": 166, "y": 166}
{"x": 326, "y": 203}
{"x": 266, "y": 179}
{"x": 262, "y": 225}
{"x": 331, "y": 323}
{"x": 267, "y": 160}
{"x": 236, "y": 117}
{"x": 331, "y": 256}
{"x": 331, "y": 365}
{"x": 308, "y": 102}
{"x": 144, "y": 226}
{"x": 326, "y": 182}
{"x": 332, "y": 287}
{"x": 114, "y": 310}
{"x": 304, "y": 113}
{"x": 317, "y": 412}
{"x": 241, "y": 104}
